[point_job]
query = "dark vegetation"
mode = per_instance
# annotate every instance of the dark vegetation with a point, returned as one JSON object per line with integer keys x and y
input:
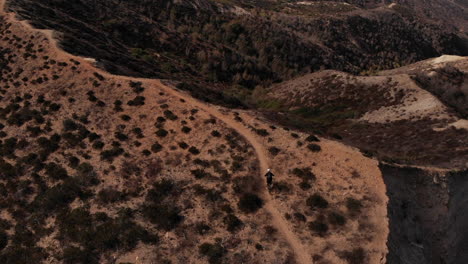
{"x": 202, "y": 45}
{"x": 250, "y": 203}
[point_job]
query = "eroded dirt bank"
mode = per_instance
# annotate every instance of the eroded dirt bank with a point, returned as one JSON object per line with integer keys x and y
{"x": 427, "y": 211}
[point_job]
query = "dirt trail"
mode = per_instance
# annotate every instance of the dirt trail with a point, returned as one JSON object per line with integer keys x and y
{"x": 278, "y": 221}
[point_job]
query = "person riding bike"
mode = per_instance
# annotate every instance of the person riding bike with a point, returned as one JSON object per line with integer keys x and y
{"x": 269, "y": 177}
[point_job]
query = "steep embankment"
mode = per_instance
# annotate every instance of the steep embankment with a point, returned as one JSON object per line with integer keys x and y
{"x": 427, "y": 214}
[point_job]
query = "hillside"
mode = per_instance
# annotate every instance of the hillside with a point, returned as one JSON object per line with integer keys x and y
{"x": 229, "y": 47}
{"x": 99, "y": 168}
{"x": 414, "y": 114}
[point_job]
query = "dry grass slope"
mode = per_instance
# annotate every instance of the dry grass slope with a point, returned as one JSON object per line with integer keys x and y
{"x": 97, "y": 168}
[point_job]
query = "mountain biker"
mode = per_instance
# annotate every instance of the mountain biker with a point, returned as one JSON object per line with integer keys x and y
{"x": 269, "y": 177}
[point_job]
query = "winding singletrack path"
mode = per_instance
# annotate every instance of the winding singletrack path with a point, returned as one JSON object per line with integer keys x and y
{"x": 302, "y": 256}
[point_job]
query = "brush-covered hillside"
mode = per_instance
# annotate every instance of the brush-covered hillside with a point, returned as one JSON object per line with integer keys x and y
{"x": 229, "y": 47}
{"x": 414, "y": 115}
{"x": 97, "y": 168}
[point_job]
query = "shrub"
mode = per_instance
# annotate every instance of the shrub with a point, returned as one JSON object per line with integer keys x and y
{"x": 262, "y": 132}
{"x": 161, "y": 133}
{"x": 314, "y": 147}
{"x": 335, "y": 218}
{"x": 186, "y": 129}
{"x": 202, "y": 228}
{"x": 170, "y": 115}
{"x": 137, "y": 101}
{"x": 136, "y": 87}
{"x": 165, "y": 216}
{"x": 183, "y": 145}
{"x": 305, "y": 185}
{"x": 316, "y": 201}
{"x": 69, "y": 125}
{"x": 199, "y": 174}
{"x": 55, "y": 171}
{"x": 118, "y": 106}
{"x": 194, "y": 150}
{"x": 3, "y": 240}
{"x": 156, "y": 147}
{"x": 274, "y": 151}
{"x": 110, "y": 154}
{"x": 125, "y": 117}
{"x": 93, "y": 136}
{"x": 354, "y": 206}
{"x": 319, "y": 227}
{"x": 203, "y": 163}
{"x": 215, "y": 133}
{"x": 300, "y": 217}
{"x": 250, "y": 203}
{"x": 121, "y": 136}
{"x": 109, "y": 195}
{"x": 98, "y": 144}
{"x": 357, "y": 256}
{"x": 232, "y": 222}
{"x": 72, "y": 255}
{"x": 304, "y": 173}
{"x": 312, "y": 138}
{"x": 214, "y": 252}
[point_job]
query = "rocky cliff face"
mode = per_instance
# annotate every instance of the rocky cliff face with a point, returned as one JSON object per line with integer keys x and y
{"x": 428, "y": 213}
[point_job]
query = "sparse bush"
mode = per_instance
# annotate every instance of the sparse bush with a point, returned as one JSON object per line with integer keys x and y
{"x": 215, "y": 133}
{"x": 110, "y": 154}
{"x": 165, "y": 216}
{"x": 232, "y": 222}
{"x": 125, "y": 117}
{"x": 305, "y": 185}
{"x": 121, "y": 136}
{"x": 300, "y": 217}
{"x": 316, "y": 201}
{"x": 314, "y": 147}
{"x": 136, "y": 87}
{"x": 161, "y": 133}
{"x": 109, "y": 195}
{"x": 312, "y": 138}
{"x": 55, "y": 171}
{"x": 335, "y": 218}
{"x": 156, "y": 147}
{"x": 274, "y": 151}
{"x": 250, "y": 203}
{"x": 199, "y": 174}
{"x": 137, "y": 101}
{"x": 194, "y": 150}
{"x": 70, "y": 125}
{"x": 304, "y": 173}
{"x": 186, "y": 129}
{"x": 214, "y": 252}
{"x": 170, "y": 115}
{"x": 262, "y": 132}
{"x": 354, "y": 206}
{"x": 183, "y": 145}
{"x": 202, "y": 228}
{"x": 3, "y": 240}
{"x": 319, "y": 227}
{"x": 98, "y": 144}
{"x": 356, "y": 256}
